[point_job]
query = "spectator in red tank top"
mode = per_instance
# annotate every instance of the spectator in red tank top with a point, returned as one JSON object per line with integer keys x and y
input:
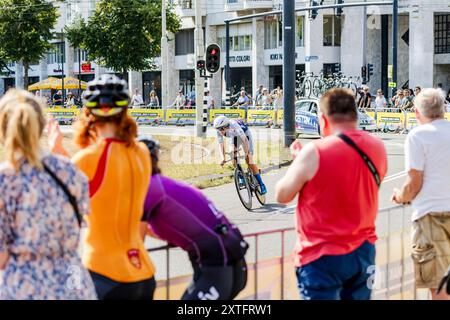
{"x": 337, "y": 204}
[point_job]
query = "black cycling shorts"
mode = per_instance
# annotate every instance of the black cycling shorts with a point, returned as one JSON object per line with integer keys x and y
{"x": 108, "y": 289}
{"x": 217, "y": 283}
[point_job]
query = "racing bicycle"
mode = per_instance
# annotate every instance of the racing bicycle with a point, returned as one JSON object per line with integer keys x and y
{"x": 246, "y": 184}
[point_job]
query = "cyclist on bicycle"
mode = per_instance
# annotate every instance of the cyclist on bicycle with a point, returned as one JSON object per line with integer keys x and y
{"x": 239, "y": 132}
{"x": 181, "y": 215}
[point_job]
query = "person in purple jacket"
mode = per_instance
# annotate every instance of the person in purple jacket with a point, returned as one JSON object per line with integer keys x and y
{"x": 181, "y": 215}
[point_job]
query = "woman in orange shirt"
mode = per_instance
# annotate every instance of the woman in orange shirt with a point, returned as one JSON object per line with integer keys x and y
{"x": 118, "y": 169}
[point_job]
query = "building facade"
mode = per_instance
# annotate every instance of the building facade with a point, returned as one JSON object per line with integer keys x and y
{"x": 328, "y": 42}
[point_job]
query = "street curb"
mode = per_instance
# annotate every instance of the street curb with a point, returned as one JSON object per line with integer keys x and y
{"x": 230, "y": 174}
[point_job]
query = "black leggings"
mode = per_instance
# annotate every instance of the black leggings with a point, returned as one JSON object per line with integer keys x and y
{"x": 217, "y": 283}
{"x": 108, "y": 289}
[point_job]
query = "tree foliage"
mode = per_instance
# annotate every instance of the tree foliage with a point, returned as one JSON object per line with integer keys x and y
{"x": 26, "y": 30}
{"x": 123, "y": 34}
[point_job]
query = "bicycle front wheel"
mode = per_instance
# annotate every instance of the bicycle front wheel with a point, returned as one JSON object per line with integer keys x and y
{"x": 317, "y": 88}
{"x": 243, "y": 188}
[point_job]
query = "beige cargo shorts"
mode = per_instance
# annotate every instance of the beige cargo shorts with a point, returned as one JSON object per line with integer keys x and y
{"x": 431, "y": 249}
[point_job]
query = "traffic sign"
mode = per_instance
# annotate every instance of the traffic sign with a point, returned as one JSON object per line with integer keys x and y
{"x": 390, "y": 71}
{"x": 392, "y": 85}
{"x": 86, "y": 67}
{"x": 311, "y": 58}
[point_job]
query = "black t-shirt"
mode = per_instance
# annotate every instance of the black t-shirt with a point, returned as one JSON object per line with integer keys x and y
{"x": 364, "y": 103}
{"x": 57, "y": 99}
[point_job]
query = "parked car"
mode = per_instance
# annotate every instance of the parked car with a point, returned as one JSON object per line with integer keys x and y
{"x": 307, "y": 122}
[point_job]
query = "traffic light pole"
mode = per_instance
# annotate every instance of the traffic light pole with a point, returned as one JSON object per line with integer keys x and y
{"x": 394, "y": 44}
{"x": 199, "y": 81}
{"x": 289, "y": 71}
{"x": 227, "y": 61}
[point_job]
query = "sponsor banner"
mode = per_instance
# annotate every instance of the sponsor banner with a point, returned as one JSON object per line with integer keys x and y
{"x": 411, "y": 121}
{"x": 306, "y": 123}
{"x": 180, "y": 116}
{"x": 371, "y": 114}
{"x": 230, "y": 113}
{"x": 280, "y": 115}
{"x": 260, "y": 117}
{"x": 390, "y": 121}
{"x": 143, "y": 116}
{"x": 63, "y": 114}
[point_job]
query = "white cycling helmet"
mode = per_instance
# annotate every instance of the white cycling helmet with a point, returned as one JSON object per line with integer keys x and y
{"x": 221, "y": 122}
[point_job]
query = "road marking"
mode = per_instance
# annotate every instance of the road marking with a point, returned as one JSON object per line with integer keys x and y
{"x": 394, "y": 177}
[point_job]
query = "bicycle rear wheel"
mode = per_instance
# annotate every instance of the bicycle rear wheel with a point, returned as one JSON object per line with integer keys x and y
{"x": 256, "y": 188}
{"x": 243, "y": 188}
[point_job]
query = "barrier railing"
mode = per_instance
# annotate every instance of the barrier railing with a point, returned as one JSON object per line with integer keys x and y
{"x": 387, "y": 120}
{"x": 268, "y": 279}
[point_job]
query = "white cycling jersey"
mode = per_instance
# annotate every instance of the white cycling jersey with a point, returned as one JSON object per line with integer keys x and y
{"x": 236, "y": 130}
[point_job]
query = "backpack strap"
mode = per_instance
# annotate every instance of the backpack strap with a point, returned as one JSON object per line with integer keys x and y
{"x": 364, "y": 156}
{"x": 72, "y": 199}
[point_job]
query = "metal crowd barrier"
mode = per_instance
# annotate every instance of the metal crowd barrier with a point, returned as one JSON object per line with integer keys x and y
{"x": 272, "y": 276}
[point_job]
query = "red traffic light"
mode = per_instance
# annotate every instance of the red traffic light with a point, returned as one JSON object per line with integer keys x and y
{"x": 213, "y": 58}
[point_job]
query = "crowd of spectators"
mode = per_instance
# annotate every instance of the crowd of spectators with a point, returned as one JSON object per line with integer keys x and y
{"x": 403, "y": 100}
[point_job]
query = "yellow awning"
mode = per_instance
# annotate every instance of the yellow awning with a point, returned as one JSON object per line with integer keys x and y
{"x": 72, "y": 83}
{"x": 46, "y": 84}
{"x": 56, "y": 84}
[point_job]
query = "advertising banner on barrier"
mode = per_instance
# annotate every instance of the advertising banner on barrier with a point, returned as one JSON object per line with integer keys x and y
{"x": 149, "y": 116}
{"x": 230, "y": 113}
{"x": 259, "y": 117}
{"x": 411, "y": 121}
{"x": 390, "y": 121}
{"x": 280, "y": 115}
{"x": 180, "y": 117}
{"x": 62, "y": 114}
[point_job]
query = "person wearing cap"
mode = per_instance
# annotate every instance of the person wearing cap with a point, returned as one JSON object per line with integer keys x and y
{"x": 118, "y": 169}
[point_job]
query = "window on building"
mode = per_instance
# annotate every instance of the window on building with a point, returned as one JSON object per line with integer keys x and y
{"x": 84, "y": 56}
{"x": 185, "y": 4}
{"x": 271, "y": 34}
{"x": 237, "y": 43}
{"x": 187, "y": 81}
{"x": 247, "y": 42}
{"x": 184, "y": 42}
{"x": 330, "y": 68}
{"x": 56, "y": 54}
{"x": 442, "y": 33}
{"x": 300, "y": 32}
{"x": 332, "y": 31}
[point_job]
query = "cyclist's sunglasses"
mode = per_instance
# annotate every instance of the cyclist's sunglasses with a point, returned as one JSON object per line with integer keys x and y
{"x": 223, "y": 128}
